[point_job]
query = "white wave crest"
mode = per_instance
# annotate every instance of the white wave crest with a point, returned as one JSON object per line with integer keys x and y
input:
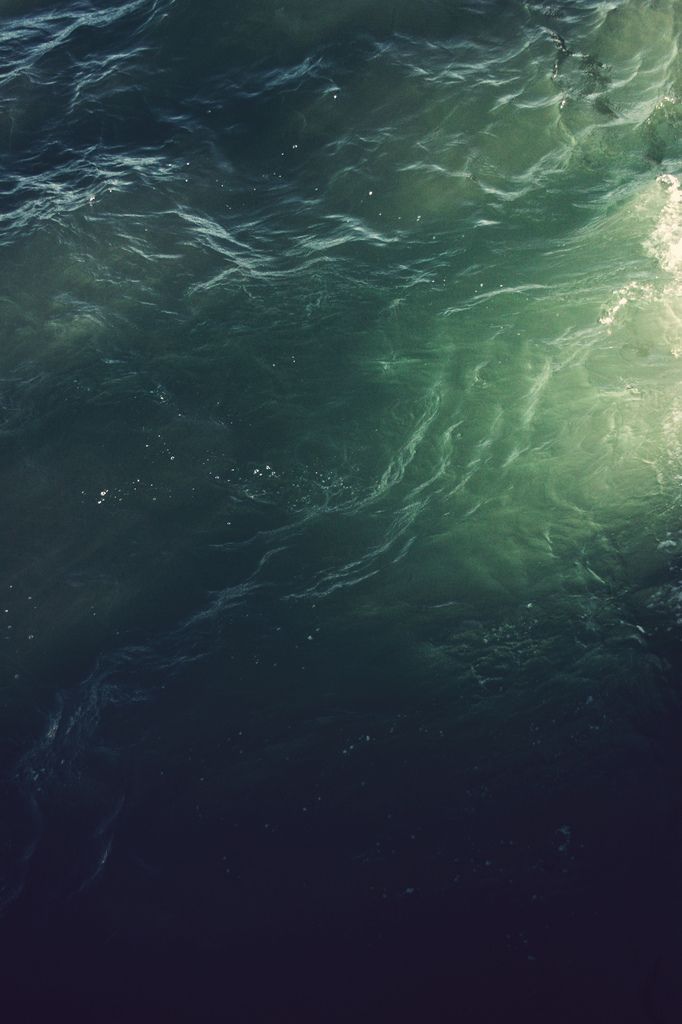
{"x": 665, "y": 242}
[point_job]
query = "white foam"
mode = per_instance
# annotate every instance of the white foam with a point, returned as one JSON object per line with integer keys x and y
{"x": 632, "y": 291}
{"x": 665, "y": 242}
{"x": 664, "y": 245}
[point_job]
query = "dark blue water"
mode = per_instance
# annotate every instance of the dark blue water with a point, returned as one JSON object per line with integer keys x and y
{"x": 340, "y": 442}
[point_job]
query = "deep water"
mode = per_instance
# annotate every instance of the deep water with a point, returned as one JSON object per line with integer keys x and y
{"x": 341, "y": 476}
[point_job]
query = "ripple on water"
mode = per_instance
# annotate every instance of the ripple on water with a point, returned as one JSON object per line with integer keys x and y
{"x": 339, "y": 396}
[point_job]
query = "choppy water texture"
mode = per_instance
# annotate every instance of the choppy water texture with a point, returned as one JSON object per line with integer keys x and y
{"x": 341, "y": 464}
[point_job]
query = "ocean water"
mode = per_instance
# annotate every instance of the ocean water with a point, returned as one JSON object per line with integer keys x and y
{"x": 341, "y": 474}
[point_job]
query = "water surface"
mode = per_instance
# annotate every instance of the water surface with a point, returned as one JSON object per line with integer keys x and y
{"x": 341, "y": 405}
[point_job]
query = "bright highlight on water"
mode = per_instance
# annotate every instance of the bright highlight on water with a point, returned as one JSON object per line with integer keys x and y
{"x": 341, "y": 414}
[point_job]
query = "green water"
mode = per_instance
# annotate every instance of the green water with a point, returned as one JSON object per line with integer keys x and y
{"x": 340, "y": 402}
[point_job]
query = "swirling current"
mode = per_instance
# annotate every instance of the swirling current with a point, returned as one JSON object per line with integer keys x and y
{"x": 341, "y": 455}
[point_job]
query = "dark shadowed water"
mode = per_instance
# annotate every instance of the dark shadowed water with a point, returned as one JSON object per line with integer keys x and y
{"x": 341, "y": 476}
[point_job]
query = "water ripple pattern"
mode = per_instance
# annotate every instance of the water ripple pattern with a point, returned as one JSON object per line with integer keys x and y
{"x": 340, "y": 382}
